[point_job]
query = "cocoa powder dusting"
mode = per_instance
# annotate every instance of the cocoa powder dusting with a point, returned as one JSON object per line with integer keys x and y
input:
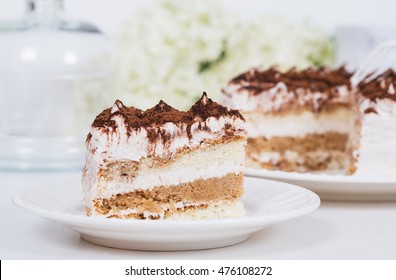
{"x": 313, "y": 79}
{"x": 152, "y": 119}
{"x": 206, "y": 107}
{"x": 382, "y": 86}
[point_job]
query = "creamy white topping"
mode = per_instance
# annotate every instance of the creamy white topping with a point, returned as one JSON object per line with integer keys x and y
{"x": 134, "y": 145}
{"x": 279, "y": 97}
{"x": 377, "y": 152}
{"x": 298, "y": 125}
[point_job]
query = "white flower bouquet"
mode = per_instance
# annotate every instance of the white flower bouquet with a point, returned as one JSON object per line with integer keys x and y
{"x": 174, "y": 50}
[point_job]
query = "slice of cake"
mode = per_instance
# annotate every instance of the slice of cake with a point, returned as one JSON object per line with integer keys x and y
{"x": 296, "y": 121}
{"x": 165, "y": 164}
{"x": 376, "y": 101}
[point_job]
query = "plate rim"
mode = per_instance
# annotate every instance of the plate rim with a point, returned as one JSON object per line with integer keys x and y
{"x": 352, "y": 179}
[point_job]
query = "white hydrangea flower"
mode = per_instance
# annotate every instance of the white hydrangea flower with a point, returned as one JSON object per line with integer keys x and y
{"x": 175, "y": 50}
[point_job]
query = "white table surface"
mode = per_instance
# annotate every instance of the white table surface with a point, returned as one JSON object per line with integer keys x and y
{"x": 337, "y": 230}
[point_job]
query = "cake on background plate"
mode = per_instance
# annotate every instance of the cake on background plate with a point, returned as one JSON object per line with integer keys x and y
{"x": 165, "y": 164}
{"x": 297, "y": 120}
{"x": 314, "y": 120}
{"x": 376, "y": 102}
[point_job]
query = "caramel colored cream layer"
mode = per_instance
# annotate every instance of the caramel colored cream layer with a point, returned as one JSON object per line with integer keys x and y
{"x": 315, "y": 152}
{"x": 167, "y": 201}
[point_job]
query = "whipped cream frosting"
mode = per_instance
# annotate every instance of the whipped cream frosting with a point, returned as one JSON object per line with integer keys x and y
{"x": 269, "y": 90}
{"x": 298, "y": 125}
{"x": 119, "y": 139}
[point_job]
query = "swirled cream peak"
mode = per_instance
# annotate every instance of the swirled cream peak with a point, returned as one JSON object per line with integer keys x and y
{"x": 270, "y": 90}
{"x": 128, "y": 133}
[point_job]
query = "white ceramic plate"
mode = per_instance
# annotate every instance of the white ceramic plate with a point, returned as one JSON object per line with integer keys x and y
{"x": 335, "y": 187}
{"x": 266, "y": 202}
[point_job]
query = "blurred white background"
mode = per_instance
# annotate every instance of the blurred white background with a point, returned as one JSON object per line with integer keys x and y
{"x": 108, "y": 14}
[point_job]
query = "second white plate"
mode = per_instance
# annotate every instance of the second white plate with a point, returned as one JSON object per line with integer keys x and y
{"x": 335, "y": 187}
{"x": 266, "y": 202}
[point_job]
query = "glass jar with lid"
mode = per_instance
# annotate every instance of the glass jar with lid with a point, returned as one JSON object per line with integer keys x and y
{"x": 55, "y": 76}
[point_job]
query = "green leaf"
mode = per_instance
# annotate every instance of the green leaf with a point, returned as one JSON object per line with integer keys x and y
{"x": 206, "y": 65}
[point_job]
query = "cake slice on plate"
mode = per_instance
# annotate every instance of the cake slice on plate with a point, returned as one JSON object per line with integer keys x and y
{"x": 296, "y": 120}
{"x": 163, "y": 163}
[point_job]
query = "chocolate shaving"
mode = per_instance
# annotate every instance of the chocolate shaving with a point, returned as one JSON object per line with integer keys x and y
{"x": 382, "y": 86}
{"x": 89, "y": 136}
{"x": 370, "y": 110}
